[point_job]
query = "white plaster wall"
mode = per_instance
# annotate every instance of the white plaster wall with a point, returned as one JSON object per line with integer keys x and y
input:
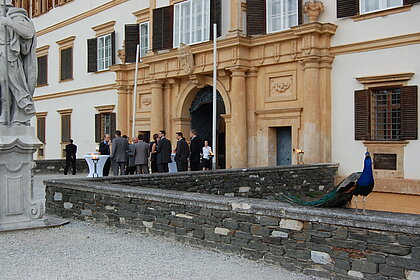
{"x": 82, "y": 120}
{"x": 346, "y": 151}
{"x": 350, "y": 31}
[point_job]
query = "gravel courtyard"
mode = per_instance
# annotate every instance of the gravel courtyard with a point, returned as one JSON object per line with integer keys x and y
{"x": 85, "y": 251}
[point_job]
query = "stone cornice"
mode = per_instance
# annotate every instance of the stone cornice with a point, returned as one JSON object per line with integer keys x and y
{"x": 385, "y": 78}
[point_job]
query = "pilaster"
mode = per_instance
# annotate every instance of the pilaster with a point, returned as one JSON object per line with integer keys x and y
{"x": 156, "y": 121}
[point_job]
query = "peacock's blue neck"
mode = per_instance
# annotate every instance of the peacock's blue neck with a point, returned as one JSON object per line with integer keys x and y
{"x": 367, "y": 175}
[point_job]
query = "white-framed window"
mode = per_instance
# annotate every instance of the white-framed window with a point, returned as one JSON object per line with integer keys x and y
{"x": 144, "y": 38}
{"x": 104, "y": 52}
{"x": 281, "y": 14}
{"x": 191, "y": 22}
{"x": 368, "y": 6}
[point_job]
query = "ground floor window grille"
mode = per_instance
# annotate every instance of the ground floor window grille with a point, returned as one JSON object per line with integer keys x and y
{"x": 386, "y": 114}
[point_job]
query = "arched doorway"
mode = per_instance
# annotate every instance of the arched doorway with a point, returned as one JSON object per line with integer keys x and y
{"x": 201, "y": 112}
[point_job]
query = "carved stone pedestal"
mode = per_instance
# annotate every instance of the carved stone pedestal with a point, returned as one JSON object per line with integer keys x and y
{"x": 18, "y": 210}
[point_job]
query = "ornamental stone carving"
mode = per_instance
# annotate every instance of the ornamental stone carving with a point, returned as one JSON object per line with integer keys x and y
{"x": 121, "y": 53}
{"x": 186, "y": 58}
{"x": 313, "y": 9}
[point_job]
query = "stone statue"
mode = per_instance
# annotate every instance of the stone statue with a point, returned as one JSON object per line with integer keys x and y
{"x": 21, "y": 70}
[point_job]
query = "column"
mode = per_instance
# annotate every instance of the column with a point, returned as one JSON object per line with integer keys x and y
{"x": 251, "y": 83}
{"x": 156, "y": 118}
{"x": 235, "y": 18}
{"x": 239, "y": 137}
{"x": 122, "y": 108}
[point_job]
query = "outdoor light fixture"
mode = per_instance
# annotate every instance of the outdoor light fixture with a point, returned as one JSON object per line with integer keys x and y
{"x": 299, "y": 156}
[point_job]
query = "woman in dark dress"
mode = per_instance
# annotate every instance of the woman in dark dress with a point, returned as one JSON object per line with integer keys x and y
{"x": 153, "y": 154}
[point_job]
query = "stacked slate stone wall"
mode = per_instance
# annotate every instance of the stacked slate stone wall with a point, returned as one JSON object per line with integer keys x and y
{"x": 54, "y": 166}
{"x": 302, "y": 180}
{"x": 331, "y": 243}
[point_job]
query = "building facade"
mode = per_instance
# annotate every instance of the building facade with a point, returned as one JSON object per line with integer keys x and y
{"x": 297, "y": 82}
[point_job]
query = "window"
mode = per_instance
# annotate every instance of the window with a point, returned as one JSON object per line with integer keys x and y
{"x": 367, "y": 6}
{"x": 105, "y": 123}
{"x": 386, "y": 113}
{"x": 65, "y": 128}
{"x": 281, "y": 14}
{"x": 40, "y": 128}
{"x": 144, "y": 38}
{"x": 191, "y": 22}
{"x": 42, "y": 70}
{"x": 66, "y": 64}
{"x": 101, "y": 52}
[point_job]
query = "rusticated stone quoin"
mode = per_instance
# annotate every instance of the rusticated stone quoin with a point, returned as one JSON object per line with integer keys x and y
{"x": 332, "y": 243}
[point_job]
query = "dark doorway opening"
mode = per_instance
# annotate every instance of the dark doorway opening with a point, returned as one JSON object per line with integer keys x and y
{"x": 284, "y": 145}
{"x": 201, "y": 120}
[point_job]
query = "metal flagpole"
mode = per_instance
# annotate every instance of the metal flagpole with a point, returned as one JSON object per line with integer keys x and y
{"x": 136, "y": 73}
{"x": 214, "y": 141}
{"x": 6, "y": 55}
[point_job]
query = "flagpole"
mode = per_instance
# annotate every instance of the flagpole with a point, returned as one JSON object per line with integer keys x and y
{"x": 6, "y": 55}
{"x": 214, "y": 141}
{"x": 136, "y": 73}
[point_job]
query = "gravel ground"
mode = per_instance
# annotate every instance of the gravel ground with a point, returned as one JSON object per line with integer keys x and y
{"x": 86, "y": 251}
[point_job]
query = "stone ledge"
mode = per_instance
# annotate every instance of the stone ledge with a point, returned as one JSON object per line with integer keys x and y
{"x": 375, "y": 220}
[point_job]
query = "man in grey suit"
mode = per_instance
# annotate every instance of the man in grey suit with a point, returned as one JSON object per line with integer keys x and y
{"x": 163, "y": 150}
{"x": 119, "y": 153}
{"x": 141, "y": 156}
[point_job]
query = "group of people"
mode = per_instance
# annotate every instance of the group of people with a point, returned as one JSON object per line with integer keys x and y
{"x": 134, "y": 158}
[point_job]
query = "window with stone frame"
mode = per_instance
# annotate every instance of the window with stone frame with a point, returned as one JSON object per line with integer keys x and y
{"x": 66, "y": 61}
{"x": 42, "y": 78}
{"x": 386, "y": 113}
{"x": 105, "y": 123}
{"x": 104, "y": 50}
{"x": 144, "y": 38}
{"x": 368, "y": 6}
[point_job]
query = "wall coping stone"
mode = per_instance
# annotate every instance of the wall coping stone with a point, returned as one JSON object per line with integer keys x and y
{"x": 374, "y": 220}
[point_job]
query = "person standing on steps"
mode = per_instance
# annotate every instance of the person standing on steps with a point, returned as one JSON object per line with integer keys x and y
{"x": 195, "y": 151}
{"x": 182, "y": 153}
{"x": 71, "y": 151}
{"x": 104, "y": 149}
{"x": 163, "y": 150}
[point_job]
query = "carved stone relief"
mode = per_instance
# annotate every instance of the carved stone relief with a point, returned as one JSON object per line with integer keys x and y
{"x": 145, "y": 102}
{"x": 186, "y": 58}
{"x": 281, "y": 87}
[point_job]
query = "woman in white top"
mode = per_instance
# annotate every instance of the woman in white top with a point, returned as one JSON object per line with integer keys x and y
{"x": 207, "y": 154}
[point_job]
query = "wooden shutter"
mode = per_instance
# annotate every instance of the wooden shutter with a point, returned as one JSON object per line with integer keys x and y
{"x": 256, "y": 17}
{"x": 40, "y": 129}
{"x": 98, "y": 128}
{"x": 409, "y": 113}
{"x": 163, "y": 27}
{"x": 362, "y": 114}
{"x": 65, "y": 128}
{"x": 92, "y": 45}
{"x": 113, "y": 50}
{"x": 408, "y": 2}
{"x": 50, "y": 4}
{"x": 132, "y": 39}
{"x": 347, "y": 8}
{"x": 300, "y": 12}
{"x": 66, "y": 64}
{"x": 42, "y": 70}
{"x": 113, "y": 124}
{"x": 215, "y": 17}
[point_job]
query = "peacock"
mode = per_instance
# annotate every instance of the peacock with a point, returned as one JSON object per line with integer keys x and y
{"x": 358, "y": 183}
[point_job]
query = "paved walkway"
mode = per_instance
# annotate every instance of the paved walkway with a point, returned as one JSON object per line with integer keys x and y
{"x": 85, "y": 251}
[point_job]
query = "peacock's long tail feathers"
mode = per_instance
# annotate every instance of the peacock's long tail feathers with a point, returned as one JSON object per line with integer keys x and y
{"x": 340, "y": 196}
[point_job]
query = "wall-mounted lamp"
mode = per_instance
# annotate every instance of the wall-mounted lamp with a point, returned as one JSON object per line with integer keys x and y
{"x": 299, "y": 154}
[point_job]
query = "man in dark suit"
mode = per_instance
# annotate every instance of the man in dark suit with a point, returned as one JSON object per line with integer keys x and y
{"x": 196, "y": 148}
{"x": 71, "y": 151}
{"x": 163, "y": 150}
{"x": 105, "y": 150}
{"x": 119, "y": 153}
{"x": 182, "y": 153}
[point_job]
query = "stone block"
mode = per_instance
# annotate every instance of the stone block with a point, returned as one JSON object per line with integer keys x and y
{"x": 279, "y": 234}
{"x": 364, "y": 266}
{"x": 243, "y": 235}
{"x": 244, "y": 189}
{"x": 184, "y": 216}
{"x": 412, "y": 275}
{"x": 58, "y": 196}
{"x": 415, "y": 252}
{"x": 342, "y": 264}
{"x": 86, "y": 212}
{"x": 298, "y": 254}
{"x": 396, "y": 272}
{"x": 381, "y": 238}
{"x": 375, "y": 258}
{"x": 291, "y": 224}
{"x": 390, "y": 249}
{"x": 356, "y": 274}
{"x": 403, "y": 262}
{"x": 68, "y": 205}
{"x": 321, "y": 257}
{"x": 230, "y": 223}
{"x": 148, "y": 224}
{"x": 221, "y": 231}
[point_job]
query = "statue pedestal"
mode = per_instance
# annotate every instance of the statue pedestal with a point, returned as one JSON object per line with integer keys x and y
{"x": 18, "y": 210}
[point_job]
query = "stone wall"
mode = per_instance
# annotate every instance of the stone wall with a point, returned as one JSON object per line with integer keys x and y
{"x": 332, "y": 243}
{"x": 305, "y": 180}
{"x": 54, "y": 166}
